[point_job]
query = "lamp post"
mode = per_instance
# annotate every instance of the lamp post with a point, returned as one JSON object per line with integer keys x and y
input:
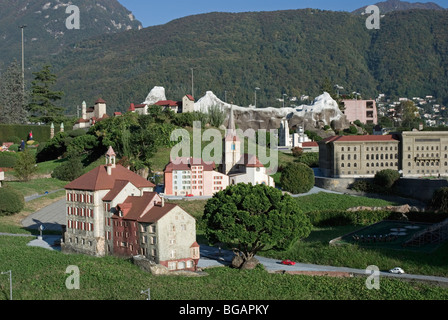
{"x": 23, "y": 59}
{"x": 284, "y": 97}
{"x": 10, "y": 283}
{"x": 338, "y": 87}
{"x": 192, "y": 82}
{"x": 256, "y": 96}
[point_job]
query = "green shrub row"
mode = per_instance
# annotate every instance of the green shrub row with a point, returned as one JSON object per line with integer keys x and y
{"x": 40, "y": 133}
{"x": 343, "y": 218}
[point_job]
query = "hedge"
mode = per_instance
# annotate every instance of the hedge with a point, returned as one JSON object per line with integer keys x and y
{"x": 344, "y": 218}
{"x": 40, "y": 133}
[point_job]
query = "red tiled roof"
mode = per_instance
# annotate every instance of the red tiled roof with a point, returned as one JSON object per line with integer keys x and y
{"x": 360, "y": 138}
{"x": 117, "y": 113}
{"x": 189, "y": 96}
{"x": 100, "y": 101}
{"x": 134, "y": 208}
{"x": 81, "y": 121}
{"x": 310, "y": 144}
{"x": 186, "y": 164}
{"x": 131, "y": 107}
{"x": 139, "y": 106}
{"x": 90, "y": 110}
{"x": 98, "y": 179}
{"x": 252, "y": 161}
{"x": 119, "y": 185}
{"x": 170, "y": 103}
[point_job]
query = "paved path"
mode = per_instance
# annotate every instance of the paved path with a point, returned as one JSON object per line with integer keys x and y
{"x": 211, "y": 257}
{"x": 52, "y": 217}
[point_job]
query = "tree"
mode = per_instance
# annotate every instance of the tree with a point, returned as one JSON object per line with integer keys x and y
{"x": 42, "y": 107}
{"x": 25, "y": 166}
{"x": 297, "y": 178}
{"x": 254, "y": 218}
{"x": 439, "y": 201}
{"x": 70, "y": 170}
{"x": 386, "y": 178}
{"x": 216, "y": 116}
{"x": 12, "y": 96}
{"x": 409, "y": 112}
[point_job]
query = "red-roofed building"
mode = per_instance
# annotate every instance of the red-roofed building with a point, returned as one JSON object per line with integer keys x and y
{"x": 188, "y": 176}
{"x": 113, "y": 211}
{"x": 91, "y": 115}
{"x": 162, "y": 232}
{"x": 358, "y": 156}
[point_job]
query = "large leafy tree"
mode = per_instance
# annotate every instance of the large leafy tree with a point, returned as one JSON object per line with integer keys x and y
{"x": 253, "y": 218}
{"x": 42, "y": 106}
{"x": 12, "y": 96}
{"x": 409, "y": 112}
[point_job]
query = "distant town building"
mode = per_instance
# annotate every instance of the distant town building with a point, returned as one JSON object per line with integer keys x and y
{"x": 425, "y": 153}
{"x": 288, "y": 140}
{"x": 362, "y": 110}
{"x": 358, "y": 156}
{"x": 183, "y": 106}
{"x": 92, "y": 115}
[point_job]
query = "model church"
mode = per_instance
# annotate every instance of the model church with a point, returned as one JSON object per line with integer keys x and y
{"x": 195, "y": 177}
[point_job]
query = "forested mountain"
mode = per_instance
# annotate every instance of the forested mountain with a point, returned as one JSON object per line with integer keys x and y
{"x": 289, "y": 52}
{"x": 397, "y": 5}
{"x": 46, "y": 32}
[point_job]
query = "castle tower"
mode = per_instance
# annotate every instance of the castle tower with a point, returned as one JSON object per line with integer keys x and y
{"x": 283, "y": 135}
{"x": 110, "y": 160}
{"x": 232, "y": 146}
{"x": 52, "y": 131}
{"x": 100, "y": 108}
{"x": 62, "y": 127}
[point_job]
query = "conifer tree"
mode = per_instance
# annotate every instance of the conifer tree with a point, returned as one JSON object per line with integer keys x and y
{"x": 12, "y": 96}
{"x": 42, "y": 107}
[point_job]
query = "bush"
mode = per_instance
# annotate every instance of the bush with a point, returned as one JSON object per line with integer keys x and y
{"x": 439, "y": 201}
{"x": 297, "y": 152}
{"x": 8, "y": 159}
{"x": 11, "y": 201}
{"x": 386, "y": 178}
{"x": 344, "y": 218}
{"x": 311, "y": 159}
{"x": 297, "y": 178}
{"x": 14, "y": 148}
{"x": 25, "y": 166}
{"x": 69, "y": 171}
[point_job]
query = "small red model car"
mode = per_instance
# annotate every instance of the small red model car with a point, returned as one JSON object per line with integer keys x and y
{"x": 189, "y": 195}
{"x": 288, "y": 262}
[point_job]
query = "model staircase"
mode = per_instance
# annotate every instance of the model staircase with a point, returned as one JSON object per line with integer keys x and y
{"x": 434, "y": 234}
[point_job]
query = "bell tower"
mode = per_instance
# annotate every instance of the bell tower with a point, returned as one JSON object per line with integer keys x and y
{"x": 232, "y": 146}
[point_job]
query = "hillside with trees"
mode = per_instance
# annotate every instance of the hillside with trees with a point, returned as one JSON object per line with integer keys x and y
{"x": 283, "y": 52}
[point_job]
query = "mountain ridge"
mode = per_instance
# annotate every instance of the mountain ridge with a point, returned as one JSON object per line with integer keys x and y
{"x": 397, "y": 5}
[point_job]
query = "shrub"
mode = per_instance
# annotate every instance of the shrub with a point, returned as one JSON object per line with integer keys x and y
{"x": 439, "y": 201}
{"x": 25, "y": 166}
{"x": 311, "y": 159}
{"x": 386, "y": 178}
{"x": 70, "y": 170}
{"x": 216, "y": 116}
{"x": 11, "y": 201}
{"x": 344, "y": 218}
{"x": 14, "y": 148}
{"x": 8, "y": 159}
{"x": 297, "y": 178}
{"x": 297, "y": 152}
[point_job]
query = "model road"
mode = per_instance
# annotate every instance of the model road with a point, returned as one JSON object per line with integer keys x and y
{"x": 53, "y": 217}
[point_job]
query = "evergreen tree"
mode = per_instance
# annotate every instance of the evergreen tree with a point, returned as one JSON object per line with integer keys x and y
{"x": 42, "y": 107}
{"x": 25, "y": 166}
{"x": 12, "y": 96}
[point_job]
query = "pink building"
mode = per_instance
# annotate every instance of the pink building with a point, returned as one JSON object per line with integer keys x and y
{"x": 362, "y": 110}
{"x": 188, "y": 176}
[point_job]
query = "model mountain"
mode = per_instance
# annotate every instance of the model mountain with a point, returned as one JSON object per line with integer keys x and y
{"x": 397, "y": 5}
{"x": 46, "y": 32}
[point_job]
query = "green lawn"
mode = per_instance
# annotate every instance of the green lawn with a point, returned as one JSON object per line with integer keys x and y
{"x": 39, "y": 274}
{"x": 37, "y": 186}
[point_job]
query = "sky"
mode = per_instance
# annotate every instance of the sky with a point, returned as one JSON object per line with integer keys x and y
{"x": 157, "y": 12}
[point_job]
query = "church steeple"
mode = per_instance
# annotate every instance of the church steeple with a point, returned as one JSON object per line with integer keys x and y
{"x": 110, "y": 160}
{"x": 232, "y": 146}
